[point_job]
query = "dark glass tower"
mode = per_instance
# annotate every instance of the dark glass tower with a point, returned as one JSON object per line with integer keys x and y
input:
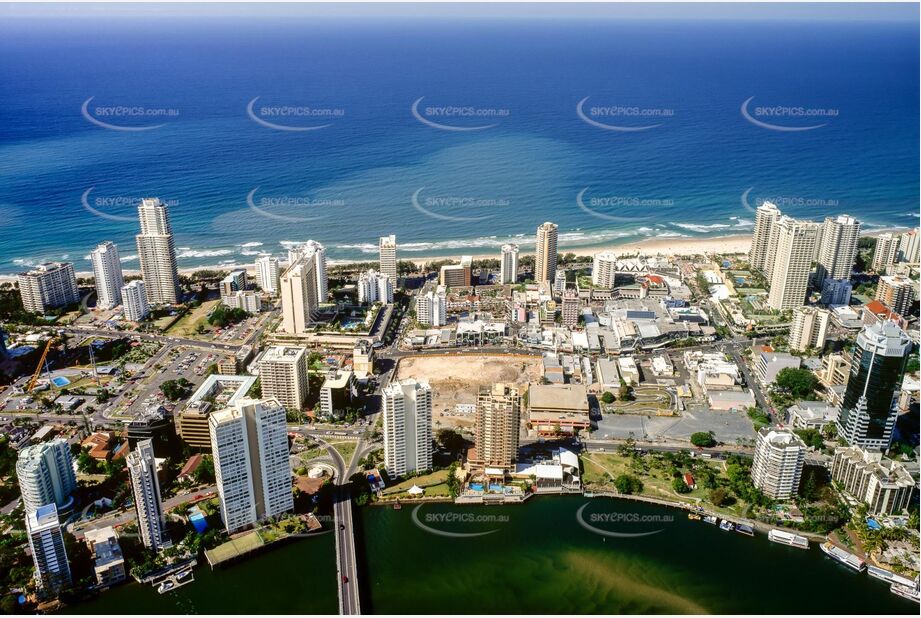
{"x": 878, "y": 366}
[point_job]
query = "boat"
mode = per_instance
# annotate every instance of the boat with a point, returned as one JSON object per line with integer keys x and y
{"x": 694, "y": 516}
{"x": 745, "y": 529}
{"x": 889, "y": 576}
{"x": 845, "y": 558}
{"x": 727, "y": 525}
{"x": 909, "y": 592}
{"x": 710, "y": 519}
{"x": 397, "y": 506}
{"x": 165, "y": 586}
{"x": 787, "y": 538}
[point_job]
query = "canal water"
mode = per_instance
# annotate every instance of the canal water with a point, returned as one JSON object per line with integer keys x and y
{"x": 546, "y": 556}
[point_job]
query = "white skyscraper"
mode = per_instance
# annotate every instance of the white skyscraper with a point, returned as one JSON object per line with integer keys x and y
{"x": 142, "y": 470}
{"x": 107, "y": 270}
{"x": 157, "y": 253}
{"x": 887, "y": 248}
{"x": 431, "y": 307}
{"x": 303, "y": 286}
{"x": 46, "y": 475}
{"x": 838, "y": 248}
{"x": 508, "y": 269}
{"x": 407, "y": 427}
{"x": 46, "y": 540}
{"x": 251, "y": 462}
{"x": 48, "y": 286}
{"x": 374, "y": 287}
{"x": 778, "y": 463}
{"x": 809, "y": 328}
{"x": 765, "y": 216}
{"x": 268, "y": 274}
{"x": 909, "y": 247}
{"x": 792, "y": 263}
{"x": 604, "y": 269}
{"x": 134, "y": 301}
{"x": 283, "y": 376}
{"x": 545, "y": 255}
{"x": 387, "y": 245}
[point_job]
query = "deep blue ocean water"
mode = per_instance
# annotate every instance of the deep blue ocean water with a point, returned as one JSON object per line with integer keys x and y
{"x": 696, "y": 174}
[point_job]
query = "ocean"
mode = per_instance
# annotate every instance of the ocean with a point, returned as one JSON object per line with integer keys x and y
{"x": 457, "y": 136}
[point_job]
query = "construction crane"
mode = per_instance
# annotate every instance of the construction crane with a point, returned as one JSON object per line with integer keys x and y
{"x": 41, "y": 363}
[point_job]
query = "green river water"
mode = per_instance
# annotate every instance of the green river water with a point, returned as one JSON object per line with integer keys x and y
{"x": 533, "y": 558}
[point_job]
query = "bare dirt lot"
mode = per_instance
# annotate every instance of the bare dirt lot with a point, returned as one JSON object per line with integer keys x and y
{"x": 455, "y": 380}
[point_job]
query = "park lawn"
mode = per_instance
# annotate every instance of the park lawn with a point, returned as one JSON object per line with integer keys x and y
{"x": 655, "y": 482}
{"x": 429, "y": 482}
{"x": 187, "y": 325}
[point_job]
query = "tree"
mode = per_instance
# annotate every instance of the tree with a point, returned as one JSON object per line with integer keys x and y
{"x": 800, "y": 383}
{"x": 627, "y": 484}
{"x": 607, "y": 397}
{"x": 222, "y": 315}
{"x": 703, "y": 439}
{"x": 625, "y": 393}
{"x": 175, "y": 390}
{"x": 718, "y": 496}
{"x": 680, "y": 486}
{"x": 204, "y": 473}
{"x": 450, "y": 440}
{"x": 811, "y": 437}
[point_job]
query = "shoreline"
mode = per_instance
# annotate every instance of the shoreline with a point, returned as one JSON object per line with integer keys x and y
{"x": 650, "y": 247}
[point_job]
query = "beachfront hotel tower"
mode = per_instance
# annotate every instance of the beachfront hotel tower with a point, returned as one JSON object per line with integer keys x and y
{"x": 157, "y": 253}
{"x": 508, "y": 267}
{"x": 545, "y": 254}
{"x": 407, "y": 426}
{"x": 107, "y": 271}
{"x": 792, "y": 263}
{"x": 387, "y": 246}
{"x": 838, "y": 248}
{"x": 765, "y": 216}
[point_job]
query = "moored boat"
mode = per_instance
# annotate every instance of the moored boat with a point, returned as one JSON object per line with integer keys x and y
{"x": 694, "y": 516}
{"x": 710, "y": 519}
{"x": 727, "y": 525}
{"x": 745, "y": 529}
{"x": 909, "y": 592}
{"x": 845, "y": 558}
{"x": 787, "y": 538}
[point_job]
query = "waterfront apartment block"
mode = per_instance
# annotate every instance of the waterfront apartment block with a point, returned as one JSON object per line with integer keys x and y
{"x": 838, "y": 248}
{"x": 134, "y": 301}
{"x": 896, "y": 292}
{"x": 497, "y": 426}
{"x": 887, "y": 248}
{"x": 233, "y": 282}
{"x": 457, "y": 275}
{"x": 778, "y": 463}
{"x": 107, "y": 272}
{"x": 407, "y": 407}
{"x": 909, "y": 247}
{"x": 508, "y": 264}
{"x": 884, "y": 485}
{"x": 268, "y": 273}
{"x": 46, "y": 475}
{"x": 792, "y": 263}
{"x": 868, "y": 412}
{"x": 304, "y": 285}
{"x": 604, "y": 270}
{"x": 250, "y": 446}
{"x": 387, "y": 247}
{"x": 142, "y": 471}
{"x": 283, "y": 376}
{"x": 157, "y": 253}
{"x": 108, "y": 561}
{"x": 46, "y": 542}
{"x": 48, "y": 286}
{"x": 809, "y": 328}
{"x": 545, "y": 256}
{"x": 765, "y": 216}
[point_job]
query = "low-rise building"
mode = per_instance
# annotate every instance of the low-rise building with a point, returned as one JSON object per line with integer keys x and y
{"x": 811, "y": 415}
{"x": 558, "y": 408}
{"x": 885, "y": 486}
{"x": 337, "y": 393}
{"x": 628, "y": 370}
{"x": 247, "y": 300}
{"x": 108, "y": 562}
{"x": 769, "y": 363}
{"x": 216, "y": 393}
{"x": 725, "y": 400}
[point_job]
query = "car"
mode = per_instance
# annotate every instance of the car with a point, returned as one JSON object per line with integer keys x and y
{"x": 345, "y": 579}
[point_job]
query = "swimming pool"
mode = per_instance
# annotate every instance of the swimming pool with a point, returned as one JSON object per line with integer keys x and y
{"x": 60, "y": 381}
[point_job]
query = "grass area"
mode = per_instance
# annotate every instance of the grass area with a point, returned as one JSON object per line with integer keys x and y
{"x": 187, "y": 325}
{"x": 430, "y": 482}
{"x": 346, "y": 449}
{"x": 600, "y": 469}
{"x": 233, "y": 548}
